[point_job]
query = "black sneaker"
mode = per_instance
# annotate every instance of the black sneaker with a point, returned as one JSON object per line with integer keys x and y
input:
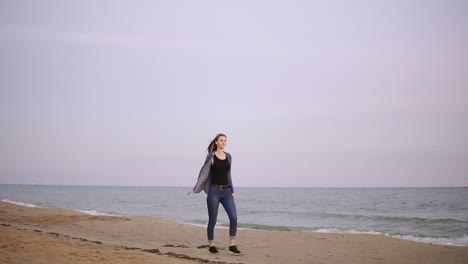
{"x": 234, "y": 250}
{"x": 213, "y": 250}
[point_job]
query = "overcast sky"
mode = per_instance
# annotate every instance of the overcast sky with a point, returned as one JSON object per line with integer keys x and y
{"x": 310, "y": 93}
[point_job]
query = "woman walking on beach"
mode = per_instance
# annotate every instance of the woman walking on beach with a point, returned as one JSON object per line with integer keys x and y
{"x": 215, "y": 179}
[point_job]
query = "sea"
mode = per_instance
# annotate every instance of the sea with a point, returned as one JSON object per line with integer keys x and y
{"x": 428, "y": 215}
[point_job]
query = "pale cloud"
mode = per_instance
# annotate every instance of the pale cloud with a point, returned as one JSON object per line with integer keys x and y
{"x": 129, "y": 41}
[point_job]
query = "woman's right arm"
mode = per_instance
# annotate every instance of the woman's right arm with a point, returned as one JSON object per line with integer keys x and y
{"x": 202, "y": 176}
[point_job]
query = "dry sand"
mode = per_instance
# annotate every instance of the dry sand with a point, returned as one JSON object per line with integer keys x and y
{"x": 41, "y": 235}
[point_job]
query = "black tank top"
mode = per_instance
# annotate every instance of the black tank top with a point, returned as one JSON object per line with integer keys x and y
{"x": 219, "y": 171}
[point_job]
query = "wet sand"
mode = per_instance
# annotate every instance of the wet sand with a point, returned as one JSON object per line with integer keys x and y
{"x": 43, "y": 235}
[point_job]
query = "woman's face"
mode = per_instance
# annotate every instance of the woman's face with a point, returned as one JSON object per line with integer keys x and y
{"x": 221, "y": 142}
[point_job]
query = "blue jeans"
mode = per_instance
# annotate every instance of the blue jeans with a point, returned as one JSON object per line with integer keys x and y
{"x": 216, "y": 196}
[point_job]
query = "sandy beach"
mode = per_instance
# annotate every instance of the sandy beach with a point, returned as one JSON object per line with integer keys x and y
{"x": 44, "y": 235}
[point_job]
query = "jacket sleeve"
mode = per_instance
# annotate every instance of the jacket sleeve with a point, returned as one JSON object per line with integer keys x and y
{"x": 229, "y": 173}
{"x": 203, "y": 175}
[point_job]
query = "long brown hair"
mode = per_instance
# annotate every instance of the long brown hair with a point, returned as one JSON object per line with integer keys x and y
{"x": 212, "y": 146}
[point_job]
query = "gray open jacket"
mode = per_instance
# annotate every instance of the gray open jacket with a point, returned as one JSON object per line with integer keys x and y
{"x": 204, "y": 177}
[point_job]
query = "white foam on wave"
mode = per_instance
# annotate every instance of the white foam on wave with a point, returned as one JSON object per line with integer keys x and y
{"x": 452, "y": 241}
{"x": 93, "y": 212}
{"x": 21, "y": 203}
{"x": 90, "y": 212}
{"x": 351, "y": 231}
{"x": 192, "y": 224}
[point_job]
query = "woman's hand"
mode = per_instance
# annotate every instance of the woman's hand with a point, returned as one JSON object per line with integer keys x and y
{"x": 233, "y": 196}
{"x": 190, "y": 192}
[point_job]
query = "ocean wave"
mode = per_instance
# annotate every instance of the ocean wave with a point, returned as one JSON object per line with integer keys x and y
{"x": 419, "y": 220}
{"x": 349, "y": 231}
{"x": 21, "y": 203}
{"x": 269, "y": 227}
{"x": 204, "y": 223}
{"x": 452, "y": 241}
{"x": 89, "y": 212}
{"x": 93, "y": 212}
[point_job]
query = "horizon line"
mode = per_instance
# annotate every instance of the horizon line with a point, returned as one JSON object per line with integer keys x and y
{"x": 284, "y": 187}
